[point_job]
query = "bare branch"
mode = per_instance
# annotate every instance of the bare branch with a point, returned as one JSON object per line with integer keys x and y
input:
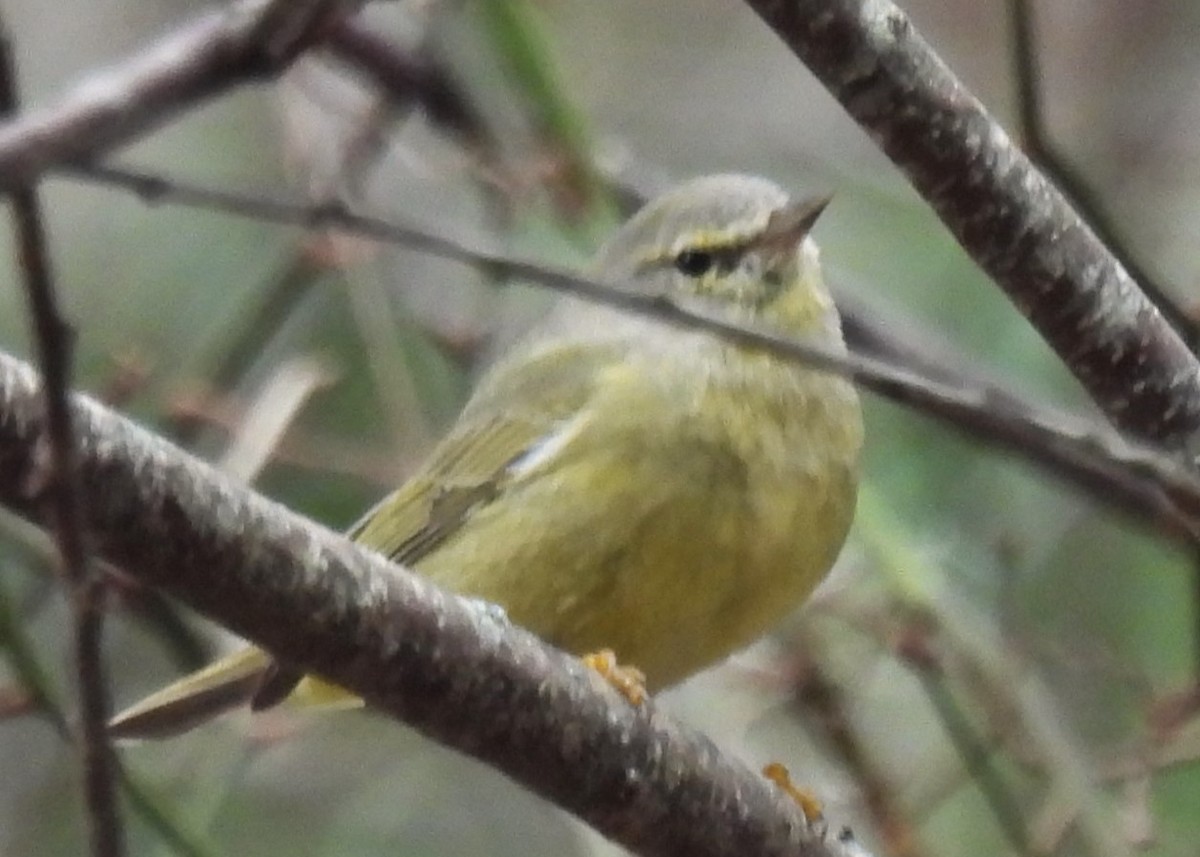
{"x": 36, "y": 690}
{"x": 1140, "y": 478}
{"x": 879, "y": 333}
{"x": 1035, "y": 138}
{"x": 915, "y": 649}
{"x": 409, "y": 77}
{"x": 454, "y": 669}
{"x": 820, "y": 699}
{"x": 1006, "y": 421}
{"x": 1013, "y": 222}
{"x": 214, "y": 52}
{"x": 58, "y": 486}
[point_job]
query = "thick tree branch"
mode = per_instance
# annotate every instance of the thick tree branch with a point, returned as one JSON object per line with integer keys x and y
{"x": 248, "y": 41}
{"x": 1013, "y": 222}
{"x": 454, "y": 669}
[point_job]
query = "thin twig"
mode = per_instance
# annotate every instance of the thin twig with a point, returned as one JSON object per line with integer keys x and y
{"x": 916, "y": 650}
{"x": 1037, "y": 142}
{"x": 522, "y": 46}
{"x": 901, "y": 342}
{"x": 408, "y": 76}
{"x": 1015, "y": 224}
{"x": 60, "y": 488}
{"x": 818, "y": 693}
{"x": 21, "y": 656}
{"x": 1035, "y": 138}
{"x": 1088, "y": 454}
{"x": 453, "y": 668}
{"x": 413, "y": 75}
{"x": 921, "y": 588}
{"x": 210, "y": 54}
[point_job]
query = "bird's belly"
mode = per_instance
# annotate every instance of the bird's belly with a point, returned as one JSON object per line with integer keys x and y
{"x": 672, "y": 573}
{"x": 673, "y": 553}
{"x": 707, "y": 576}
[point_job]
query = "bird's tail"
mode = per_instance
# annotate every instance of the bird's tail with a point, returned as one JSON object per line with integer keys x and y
{"x": 195, "y": 698}
{"x": 238, "y": 679}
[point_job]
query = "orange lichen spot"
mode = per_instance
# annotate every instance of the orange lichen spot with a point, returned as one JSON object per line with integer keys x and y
{"x": 630, "y": 681}
{"x": 804, "y": 798}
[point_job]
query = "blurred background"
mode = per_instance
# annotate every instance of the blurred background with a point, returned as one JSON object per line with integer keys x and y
{"x": 1000, "y": 663}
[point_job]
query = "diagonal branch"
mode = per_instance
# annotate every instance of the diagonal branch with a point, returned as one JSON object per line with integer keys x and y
{"x": 1034, "y": 136}
{"x": 454, "y": 669}
{"x": 1135, "y": 477}
{"x": 1004, "y": 416}
{"x": 1008, "y": 420}
{"x": 211, "y": 54}
{"x": 411, "y": 76}
{"x": 1015, "y": 224}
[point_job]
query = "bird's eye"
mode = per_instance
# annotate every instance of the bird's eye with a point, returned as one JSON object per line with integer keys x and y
{"x": 694, "y": 263}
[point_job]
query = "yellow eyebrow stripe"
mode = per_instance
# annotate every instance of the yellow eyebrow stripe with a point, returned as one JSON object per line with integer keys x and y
{"x": 704, "y": 241}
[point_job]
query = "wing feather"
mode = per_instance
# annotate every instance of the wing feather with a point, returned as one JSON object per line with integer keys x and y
{"x": 520, "y": 405}
{"x": 517, "y": 411}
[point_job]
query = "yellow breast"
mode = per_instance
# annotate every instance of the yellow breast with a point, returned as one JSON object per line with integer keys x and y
{"x": 685, "y": 513}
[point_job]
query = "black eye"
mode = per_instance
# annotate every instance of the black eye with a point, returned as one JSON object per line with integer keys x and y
{"x": 694, "y": 263}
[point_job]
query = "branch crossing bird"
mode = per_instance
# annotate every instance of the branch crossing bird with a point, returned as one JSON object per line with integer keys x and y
{"x": 616, "y": 483}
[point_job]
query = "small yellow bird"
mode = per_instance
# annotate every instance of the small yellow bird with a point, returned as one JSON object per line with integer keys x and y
{"x": 617, "y": 483}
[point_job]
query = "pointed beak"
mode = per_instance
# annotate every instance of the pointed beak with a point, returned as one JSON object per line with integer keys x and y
{"x": 789, "y": 225}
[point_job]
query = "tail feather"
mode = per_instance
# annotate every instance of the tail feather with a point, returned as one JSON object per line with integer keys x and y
{"x": 247, "y": 677}
{"x": 194, "y": 699}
